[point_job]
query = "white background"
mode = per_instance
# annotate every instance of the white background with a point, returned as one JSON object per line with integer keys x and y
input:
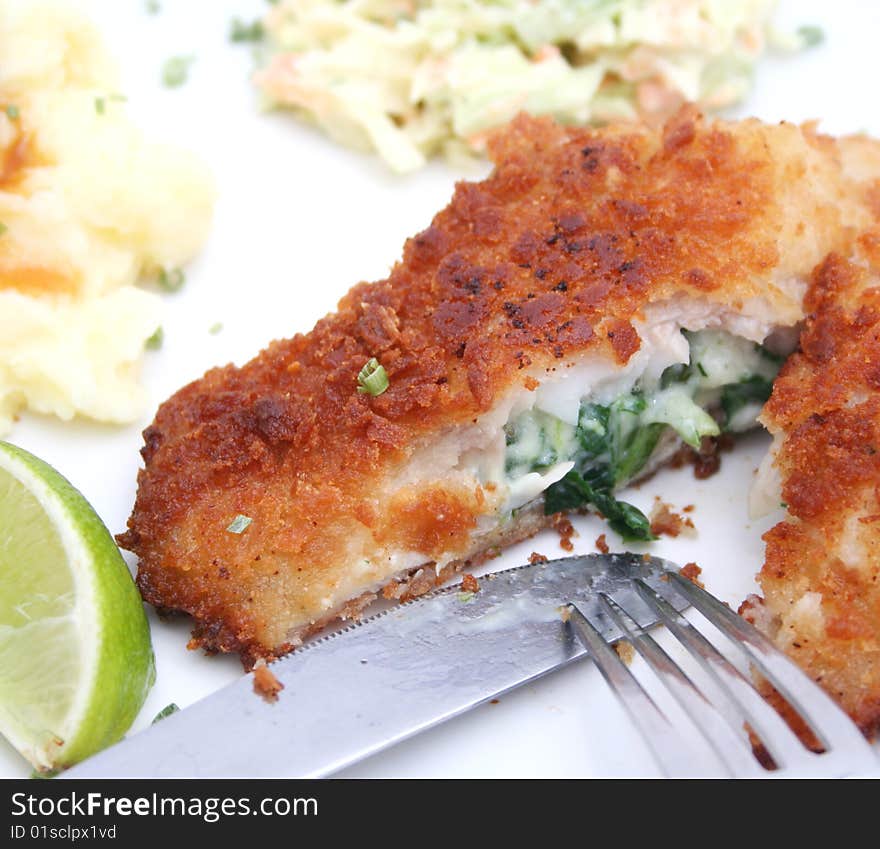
{"x": 298, "y": 221}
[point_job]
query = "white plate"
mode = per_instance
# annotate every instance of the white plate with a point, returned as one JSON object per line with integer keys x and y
{"x": 298, "y": 221}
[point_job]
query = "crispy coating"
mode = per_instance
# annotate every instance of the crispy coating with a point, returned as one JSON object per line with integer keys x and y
{"x": 821, "y": 578}
{"x": 555, "y": 256}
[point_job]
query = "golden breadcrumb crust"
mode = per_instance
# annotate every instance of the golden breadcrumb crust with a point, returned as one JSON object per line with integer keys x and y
{"x": 554, "y": 255}
{"x": 821, "y": 578}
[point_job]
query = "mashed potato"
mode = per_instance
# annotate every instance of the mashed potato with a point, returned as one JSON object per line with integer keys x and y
{"x": 87, "y": 206}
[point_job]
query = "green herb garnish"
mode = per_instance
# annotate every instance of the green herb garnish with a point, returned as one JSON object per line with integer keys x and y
{"x": 175, "y": 71}
{"x": 811, "y": 35}
{"x": 101, "y": 102}
{"x": 240, "y": 31}
{"x": 239, "y": 524}
{"x": 215, "y": 328}
{"x": 155, "y": 341}
{"x": 171, "y": 281}
{"x": 166, "y": 711}
{"x": 465, "y": 597}
{"x": 153, "y": 7}
{"x": 12, "y": 112}
{"x": 372, "y": 378}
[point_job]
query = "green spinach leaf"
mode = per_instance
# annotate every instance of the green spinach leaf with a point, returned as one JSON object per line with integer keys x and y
{"x": 573, "y": 492}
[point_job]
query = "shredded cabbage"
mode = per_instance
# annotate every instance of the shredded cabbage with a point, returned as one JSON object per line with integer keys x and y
{"x": 414, "y": 78}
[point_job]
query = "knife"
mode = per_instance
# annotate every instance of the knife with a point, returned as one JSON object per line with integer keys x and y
{"x": 374, "y": 683}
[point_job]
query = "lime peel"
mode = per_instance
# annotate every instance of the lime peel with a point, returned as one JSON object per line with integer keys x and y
{"x": 76, "y": 662}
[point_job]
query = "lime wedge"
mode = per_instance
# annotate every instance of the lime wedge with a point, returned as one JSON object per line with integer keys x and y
{"x": 76, "y": 661}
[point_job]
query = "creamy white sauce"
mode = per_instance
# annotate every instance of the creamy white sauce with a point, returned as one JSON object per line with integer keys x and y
{"x": 529, "y": 486}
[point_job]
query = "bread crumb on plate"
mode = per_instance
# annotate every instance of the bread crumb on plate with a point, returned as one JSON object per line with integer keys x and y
{"x": 666, "y": 522}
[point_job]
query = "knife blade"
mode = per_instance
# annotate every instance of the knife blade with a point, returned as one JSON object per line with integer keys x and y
{"x": 374, "y": 683}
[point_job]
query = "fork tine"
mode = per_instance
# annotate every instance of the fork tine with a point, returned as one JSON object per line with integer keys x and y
{"x": 826, "y": 719}
{"x": 743, "y": 703}
{"x": 727, "y": 736}
{"x": 675, "y": 757}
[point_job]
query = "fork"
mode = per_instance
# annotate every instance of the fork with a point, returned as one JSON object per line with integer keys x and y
{"x": 716, "y": 726}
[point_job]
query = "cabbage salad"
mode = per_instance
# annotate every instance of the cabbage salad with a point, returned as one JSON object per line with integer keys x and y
{"x": 411, "y": 79}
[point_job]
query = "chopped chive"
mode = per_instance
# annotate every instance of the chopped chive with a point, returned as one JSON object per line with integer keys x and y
{"x": 240, "y": 31}
{"x": 465, "y": 597}
{"x": 215, "y": 328}
{"x": 372, "y": 378}
{"x": 166, "y": 711}
{"x": 12, "y": 112}
{"x": 171, "y": 281}
{"x": 101, "y": 102}
{"x": 175, "y": 71}
{"x": 239, "y": 524}
{"x": 811, "y": 35}
{"x": 154, "y": 342}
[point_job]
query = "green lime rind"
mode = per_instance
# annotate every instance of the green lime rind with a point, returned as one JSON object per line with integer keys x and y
{"x": 120, "y": 652}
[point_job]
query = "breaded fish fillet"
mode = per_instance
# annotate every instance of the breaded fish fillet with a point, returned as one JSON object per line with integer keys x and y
{"x": 821, "y": 578}
{"x": 533, "y": 342}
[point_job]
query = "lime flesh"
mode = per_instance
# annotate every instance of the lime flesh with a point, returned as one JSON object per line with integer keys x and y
{"x": 76, "y": 662}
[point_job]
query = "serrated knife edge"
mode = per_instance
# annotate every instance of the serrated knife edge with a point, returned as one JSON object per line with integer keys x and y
{"x": 377, "y": 682}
